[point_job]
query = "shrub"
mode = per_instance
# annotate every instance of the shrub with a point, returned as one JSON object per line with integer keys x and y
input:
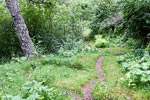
{"x": 115, "y": 41}
{"x": 136, "y": 68}
{"x": 71, "y": 47}
{"x": 100, "y": 42}
{"x": 37, "y": 91}
{"x": 104, "y": 10}
{"x": 136, "y": 18}
{"x": 86, "y": 34}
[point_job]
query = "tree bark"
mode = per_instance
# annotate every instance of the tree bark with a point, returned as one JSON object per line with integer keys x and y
{"x": 21, "y": 28}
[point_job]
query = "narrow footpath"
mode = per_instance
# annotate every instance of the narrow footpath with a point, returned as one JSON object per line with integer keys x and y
{"x": 87, "y": 88}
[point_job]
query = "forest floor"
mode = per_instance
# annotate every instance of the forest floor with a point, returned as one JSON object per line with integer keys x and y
{"x": 79, "y": 75}
{"x": 88, "y": 87}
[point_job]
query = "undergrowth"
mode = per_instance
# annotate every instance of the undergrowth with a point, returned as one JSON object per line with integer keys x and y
{"x": 49, "y": 76}
{"x": 112, "y": 88}
{"x": 136, "y": 67}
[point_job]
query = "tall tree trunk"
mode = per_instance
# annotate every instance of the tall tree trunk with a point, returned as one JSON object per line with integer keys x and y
{"x": 21, "y": 28}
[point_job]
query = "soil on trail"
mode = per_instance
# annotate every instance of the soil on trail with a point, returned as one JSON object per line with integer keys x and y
{"x": 87, "y": 88}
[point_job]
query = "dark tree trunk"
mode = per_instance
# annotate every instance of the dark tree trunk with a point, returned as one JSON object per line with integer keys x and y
{"x": 21, "y": 28}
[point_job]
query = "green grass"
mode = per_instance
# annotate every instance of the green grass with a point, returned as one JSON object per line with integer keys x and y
{"x": 119, "y": 49}
{"x": 112, "y": 75}
{"x": 68, "y": 74}
{"x": 62, "y": 73}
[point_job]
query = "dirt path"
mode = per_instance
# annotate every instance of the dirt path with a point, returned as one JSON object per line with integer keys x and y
{"x": 87, "y": 88}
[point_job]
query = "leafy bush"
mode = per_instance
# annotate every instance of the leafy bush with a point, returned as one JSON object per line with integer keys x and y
{"x": 86, "y": 34}
{"x": 104, "y": 10}
{"x": 71, "y": 47}
{"x": 37, "y": 91}
{"x": 136, "y": 18}
{"x": 136, "y": 68}
{"x": 134, "y": 43}
{"x": 100, "y": 42}
{"x": 115, "y": 41}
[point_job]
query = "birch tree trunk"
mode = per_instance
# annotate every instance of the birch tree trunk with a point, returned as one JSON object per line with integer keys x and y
{"x": 21, "y": 28}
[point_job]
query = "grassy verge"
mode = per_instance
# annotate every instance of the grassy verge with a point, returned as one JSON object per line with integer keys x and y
{"x": 112, "y": 88}
{"x": 64, "y": 74}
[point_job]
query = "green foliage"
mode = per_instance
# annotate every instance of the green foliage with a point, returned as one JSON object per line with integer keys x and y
{"x": 71, "y": 48}
{"x": 136, "y": 18}
{"x": 58, "y": 27}
{"x": 50, "y": 25}
{"x": 8, "y": 40}
{"x": 136, "y": 68}
{"x": 112, "y": 86}
{"x": 104, "y": 10}
{"x": 60, "y": 73}
{"x": 36, "y": 90}
{"x": 86, "y": 34}
{"x": 101, "y": 92}
{"x": 100, "y": 42}
{"x": 115, "y": 41}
